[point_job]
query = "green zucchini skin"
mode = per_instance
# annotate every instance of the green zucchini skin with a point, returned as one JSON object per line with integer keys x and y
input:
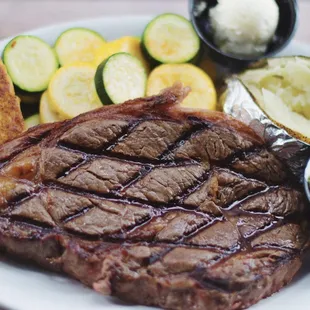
{"x": 156, "y": 61}
{"x": 20, "y": 45}
{"x": 105, "y": 92}
{"x": 99, "y": 83}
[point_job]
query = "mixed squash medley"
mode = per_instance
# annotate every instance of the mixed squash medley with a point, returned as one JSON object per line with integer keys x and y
{"x": 83, "y": 71}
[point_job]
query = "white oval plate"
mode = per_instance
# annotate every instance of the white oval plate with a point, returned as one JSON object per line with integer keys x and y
{"x": 24, "y": 288}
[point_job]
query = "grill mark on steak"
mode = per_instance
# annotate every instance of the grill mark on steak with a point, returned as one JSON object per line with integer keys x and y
{"x": 168, "y": 154}
{"x": 113, "y": 195}
{"x": 150, "y": 138}
{"x": 165, "y": 184}
{"x": 251, "y": 225}
{"x": 98, "y": 222}
{"x": 132, "y": 126}
{"x": 221, "y": 188}
{"x": 109, "y": 142}
{"x": 170, "y": 226}
{"x": 58, "y": 162}
{"x": 164, "y": 220}
{"x": 174, "y": 202}
{"x": 35, "y": 209}
{"x": 158, "y": 158}
{"x": 94, "y": 135}
{"x": 101, "y": 175}
{"x": 238, "y": 215}
{"x": 243, "y": 147}
{"x": 219, "y": 234}
{"x": 276, "y": 201}
{"x": 262, "y": 165}
{"x": 245, "y": 158}
{"x": 213, "y": 144}
{"x": 169, "y": 206}
{"x": 26, "y": 220}
{"x": 75, "y": 215}
{"x": 287, "y": 236}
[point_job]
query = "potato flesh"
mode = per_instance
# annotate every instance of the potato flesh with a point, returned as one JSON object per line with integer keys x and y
{"x": 288, "y": 79}
{"x": 288, "y": 118}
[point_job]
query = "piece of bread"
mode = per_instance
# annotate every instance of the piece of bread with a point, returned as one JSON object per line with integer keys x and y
{"x": 11, "y": 118}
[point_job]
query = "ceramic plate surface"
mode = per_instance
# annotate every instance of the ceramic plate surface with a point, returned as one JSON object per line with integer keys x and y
{"x": 24, "y": 288}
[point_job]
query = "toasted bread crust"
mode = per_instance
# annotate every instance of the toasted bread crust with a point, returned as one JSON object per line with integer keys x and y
{"x": 11, "y": 118}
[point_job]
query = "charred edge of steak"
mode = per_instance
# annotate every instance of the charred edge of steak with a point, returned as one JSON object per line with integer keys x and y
{"x": 30, "y": 138}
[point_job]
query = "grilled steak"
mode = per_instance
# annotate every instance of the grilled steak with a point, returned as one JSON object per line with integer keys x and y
{"x": 156, "y": 205}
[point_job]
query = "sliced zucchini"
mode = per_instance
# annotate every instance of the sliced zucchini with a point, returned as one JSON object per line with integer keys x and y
{"x": 72, "y": 90}
{"x": 30, "y": 62}
{"x": 47, "y": 114}
{"x": 170, "y": 38}
{"x": 78, "y": 45}
{"x": 32, "y": 121}
{"x": 203, "y": 93}
{"x": 131, "y": 45}
{"x": 119, "y": 78}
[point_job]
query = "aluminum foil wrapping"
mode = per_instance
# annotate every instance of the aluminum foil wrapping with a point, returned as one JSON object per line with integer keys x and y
{"x": 239, "y": 103}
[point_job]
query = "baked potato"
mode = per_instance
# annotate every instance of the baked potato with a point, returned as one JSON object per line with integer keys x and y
{"x": 281, "y": 87}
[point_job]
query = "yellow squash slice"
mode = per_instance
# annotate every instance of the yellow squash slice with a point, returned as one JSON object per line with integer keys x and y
{"x": 129, "y": 45}
{"x": 72, "y": 90}
{"x": 78, "y": 45}
{"x": 47, "y": 114}
{"x": 203, "y": 93}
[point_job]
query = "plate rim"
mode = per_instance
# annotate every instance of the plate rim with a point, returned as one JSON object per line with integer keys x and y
{"x": 70, "y": 23}
{"x": 97, "y": 20}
